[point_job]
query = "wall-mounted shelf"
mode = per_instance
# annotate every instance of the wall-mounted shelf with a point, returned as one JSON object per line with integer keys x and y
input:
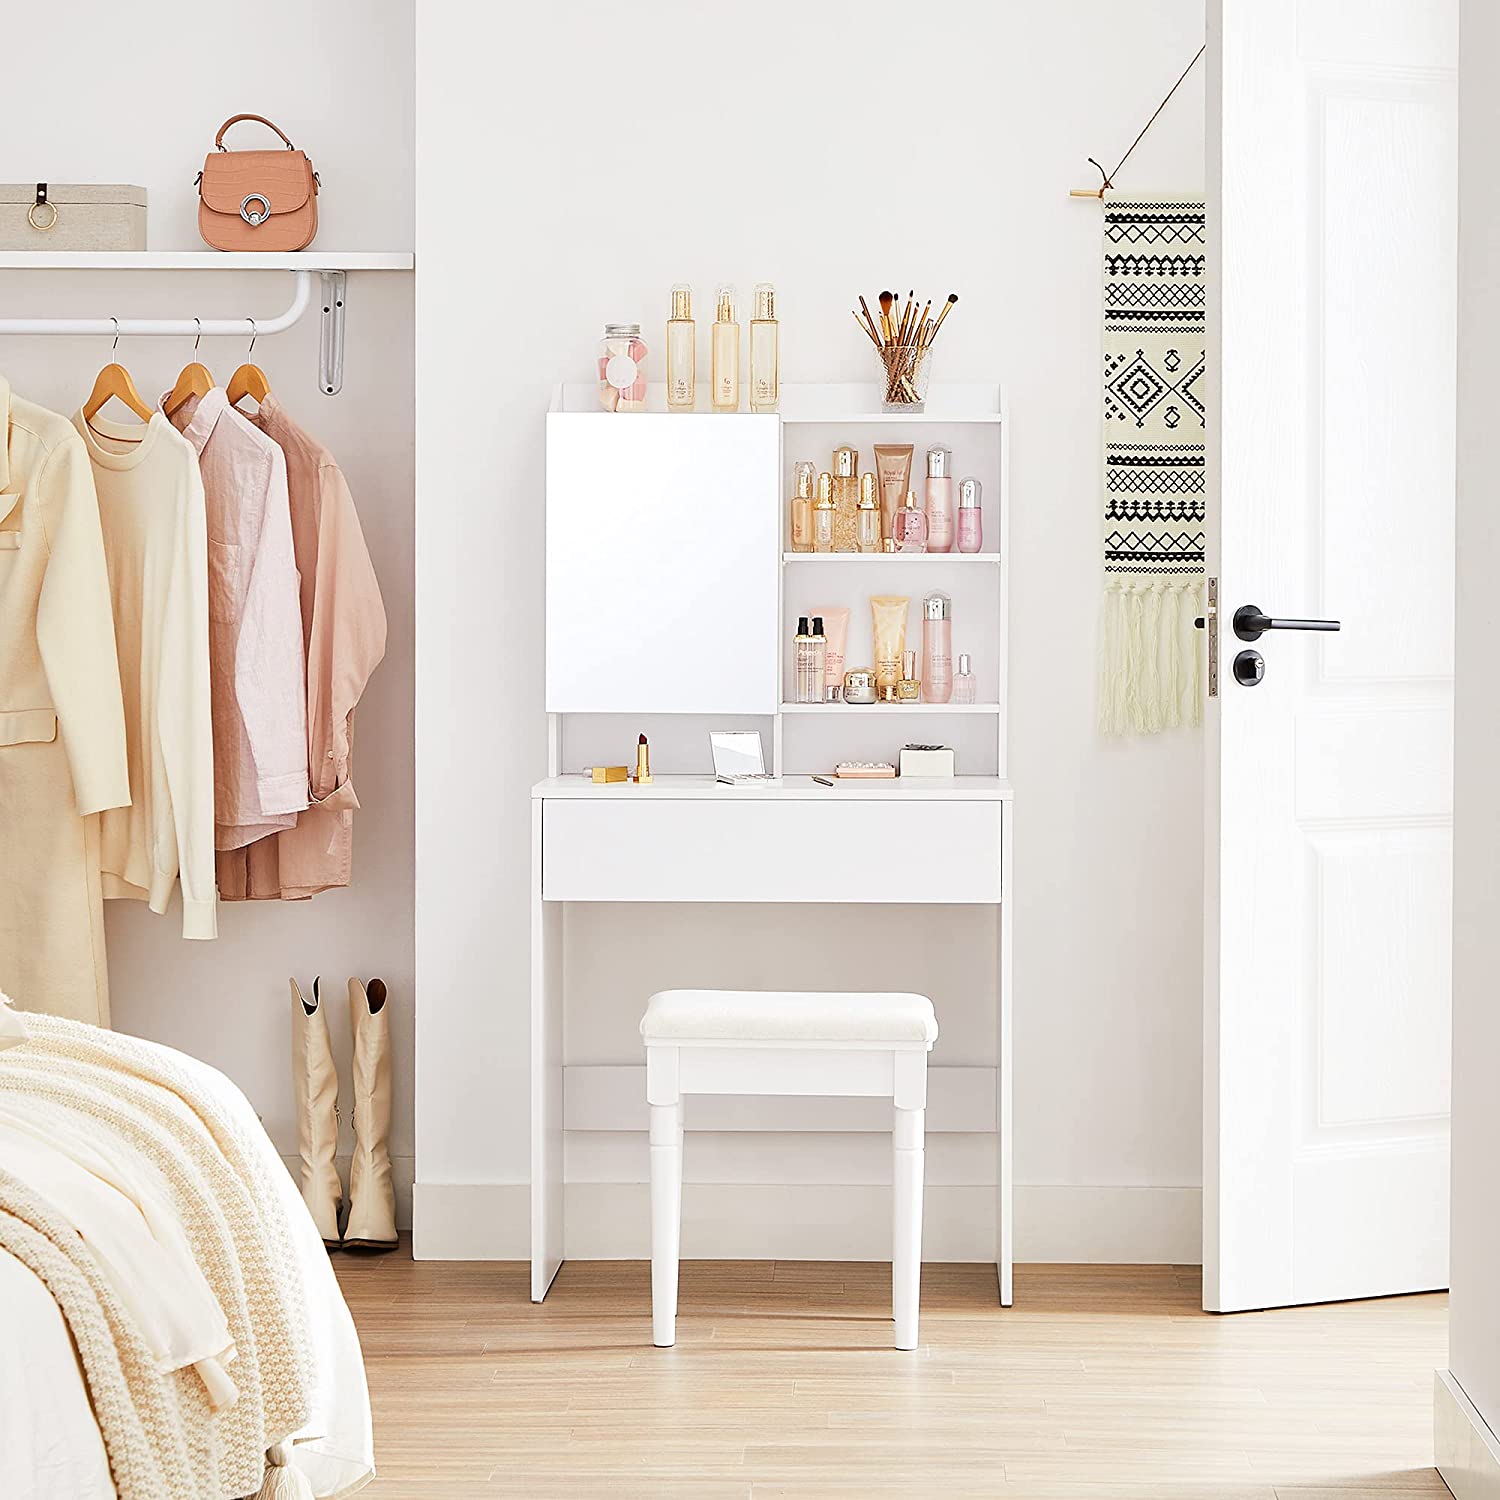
{"x": 205, "y": 260}
{"x": 332, "y": 268}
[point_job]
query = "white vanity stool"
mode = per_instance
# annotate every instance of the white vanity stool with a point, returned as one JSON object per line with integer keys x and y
{"x": 756, "y": 1042}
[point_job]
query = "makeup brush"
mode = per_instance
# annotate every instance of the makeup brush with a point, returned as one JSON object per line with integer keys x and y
{"x": 885, "y": 314}
{"x": 864, "y": 307}
{"x": 952, "y": 298}
{"x": 868, "y": 331}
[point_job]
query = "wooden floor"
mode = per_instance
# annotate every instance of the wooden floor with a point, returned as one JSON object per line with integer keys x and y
{"x": 1101, "y": 1382}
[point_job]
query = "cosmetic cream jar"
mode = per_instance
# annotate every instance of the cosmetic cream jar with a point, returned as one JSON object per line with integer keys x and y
{"x": 859, "y": 685}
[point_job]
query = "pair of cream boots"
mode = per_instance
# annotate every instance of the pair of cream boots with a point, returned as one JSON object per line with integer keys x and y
{"x": 371, "y": 1224}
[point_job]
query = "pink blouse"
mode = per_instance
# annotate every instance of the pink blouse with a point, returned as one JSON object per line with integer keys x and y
{"x": 255, "y": 648}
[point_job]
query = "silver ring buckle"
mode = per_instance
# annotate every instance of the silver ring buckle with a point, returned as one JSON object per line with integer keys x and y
{"x": 252, "y": 216}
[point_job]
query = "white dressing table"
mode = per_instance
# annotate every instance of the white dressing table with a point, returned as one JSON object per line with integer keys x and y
{"x": 636, "y": 630}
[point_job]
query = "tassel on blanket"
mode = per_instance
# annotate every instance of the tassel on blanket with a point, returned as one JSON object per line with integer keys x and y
{"x": 283, "y": 1481}
{"x": 1148, "y": 664}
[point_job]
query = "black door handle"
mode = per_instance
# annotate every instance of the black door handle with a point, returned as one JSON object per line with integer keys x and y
{"x": 1251, "y": 622}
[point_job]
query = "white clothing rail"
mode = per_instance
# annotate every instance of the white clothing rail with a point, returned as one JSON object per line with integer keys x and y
{"x": 170, "y": 327}
{"x": 330, "y": 343}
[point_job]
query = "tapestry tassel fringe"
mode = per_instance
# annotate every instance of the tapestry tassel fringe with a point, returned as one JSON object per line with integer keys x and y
{"x": 1149, "y": 662}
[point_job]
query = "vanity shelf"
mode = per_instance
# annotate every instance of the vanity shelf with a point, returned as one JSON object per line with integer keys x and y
{"x": 880, "y": 710}
{"x": 901, "y": 559}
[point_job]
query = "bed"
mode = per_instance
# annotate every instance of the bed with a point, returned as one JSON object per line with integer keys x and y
{"x": 171, "y": 1323}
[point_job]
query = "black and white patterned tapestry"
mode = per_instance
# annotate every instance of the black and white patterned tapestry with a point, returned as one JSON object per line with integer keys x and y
{"x": 1154, "y": 328}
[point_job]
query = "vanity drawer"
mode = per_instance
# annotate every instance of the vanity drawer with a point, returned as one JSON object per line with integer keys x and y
{"x": 755, "y": 850}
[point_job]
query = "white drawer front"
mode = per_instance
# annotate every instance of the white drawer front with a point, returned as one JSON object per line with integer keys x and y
{"x": 865, "y": 851}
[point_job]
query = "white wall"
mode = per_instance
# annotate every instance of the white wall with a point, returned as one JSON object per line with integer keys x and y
{"x": 111, "y": 97}
{"x": 634, "y": 146}
{"x": 1474, "y": 1309}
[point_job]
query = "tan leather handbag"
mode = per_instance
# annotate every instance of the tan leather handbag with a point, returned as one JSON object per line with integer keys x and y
{"x": 257, "y": 200}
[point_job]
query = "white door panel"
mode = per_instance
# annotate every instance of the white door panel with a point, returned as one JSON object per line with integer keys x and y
{"x": 1333, "y": 293}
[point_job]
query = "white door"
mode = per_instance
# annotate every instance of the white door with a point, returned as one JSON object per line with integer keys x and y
{"x": 1332, "y": 210}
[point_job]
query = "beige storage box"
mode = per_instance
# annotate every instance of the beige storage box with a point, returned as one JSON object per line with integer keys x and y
{"x": 72, "y": 216}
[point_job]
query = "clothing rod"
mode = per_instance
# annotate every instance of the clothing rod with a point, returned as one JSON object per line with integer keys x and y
{"x": 170, "y": 327}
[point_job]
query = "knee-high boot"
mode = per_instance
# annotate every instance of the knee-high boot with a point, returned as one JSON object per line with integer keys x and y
{"x": 372, "y": 1198}
{"x": 315, "y": 1088}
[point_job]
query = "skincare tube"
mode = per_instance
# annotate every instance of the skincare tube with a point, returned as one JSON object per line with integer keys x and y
{"x": 888, "y": 617}
{"x": 893, "y": 464}
{"x": 836, "y": 631}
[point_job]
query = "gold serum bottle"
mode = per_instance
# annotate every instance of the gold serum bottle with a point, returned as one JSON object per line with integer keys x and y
{"x": 765, "y": 379}
{"x": 681, "y": 355}
{"x": 726, "y": 353}
{"x": 804, "y": 478}
{"x": 845, "y": 499}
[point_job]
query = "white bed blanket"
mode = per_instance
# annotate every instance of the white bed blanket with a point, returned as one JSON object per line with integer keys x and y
{"x": 50, "y": 1445}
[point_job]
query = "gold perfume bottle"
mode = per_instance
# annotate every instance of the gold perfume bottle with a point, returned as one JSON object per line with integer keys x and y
{"x": 802, "y": 506}
{"x": 681, "y": 354}
{"x": 726, "y": 353}
{"x": 868, "y": 520}
{"x": 845, "y": 499}
{"x": 823, "y": 514}
{"x": 765, "y": 379}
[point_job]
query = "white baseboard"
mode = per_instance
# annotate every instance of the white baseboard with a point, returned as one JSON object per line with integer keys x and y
{"x": 403, "y": 1169}
{"x": 1467, "y": 1451}
{"x": 823, "y": 1221}
{"x": 471, "y": 1221}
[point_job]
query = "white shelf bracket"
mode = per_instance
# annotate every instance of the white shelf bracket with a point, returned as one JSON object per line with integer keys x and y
{"x": 331, "y": 333}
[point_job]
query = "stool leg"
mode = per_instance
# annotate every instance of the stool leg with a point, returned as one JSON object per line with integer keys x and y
{"x": 906, "y": 1262}
{"x": 666, "y": 1220}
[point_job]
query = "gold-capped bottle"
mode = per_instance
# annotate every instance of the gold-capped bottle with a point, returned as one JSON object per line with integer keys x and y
{"x": 823, "y": 514}
{"x": 765, "y": 376}
{"x": 845, "y": 499}
{"x": 868, "y": 520}
{"x": 682, "y": 358}
{"x": 805, "y": 477}
{"x": 726, "y": 352}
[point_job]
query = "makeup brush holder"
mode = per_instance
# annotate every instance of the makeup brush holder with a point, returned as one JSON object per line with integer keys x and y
{"x": 905, "y": 370}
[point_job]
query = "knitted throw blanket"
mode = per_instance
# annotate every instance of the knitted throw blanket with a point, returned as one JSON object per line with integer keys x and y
{"x": 137, "y": 1409}
{"x": 1154, "y": 326}
{"x": 147, "y": 1100}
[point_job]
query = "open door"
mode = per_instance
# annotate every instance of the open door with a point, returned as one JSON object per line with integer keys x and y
{"x": 1332, "y": 289}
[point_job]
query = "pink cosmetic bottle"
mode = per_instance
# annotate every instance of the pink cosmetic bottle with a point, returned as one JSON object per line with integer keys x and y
{"x": 937, "y": 647}
{"x": 970, "y": 516}
{"x": 939, "y": 500}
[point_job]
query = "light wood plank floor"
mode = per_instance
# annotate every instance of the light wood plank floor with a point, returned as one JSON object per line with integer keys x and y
{"x": 1101, "y": 1383}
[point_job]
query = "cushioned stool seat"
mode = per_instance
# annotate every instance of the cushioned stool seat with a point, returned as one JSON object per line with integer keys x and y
{"x": 788, "y": 1042}
{"x": 805, "y": 1017}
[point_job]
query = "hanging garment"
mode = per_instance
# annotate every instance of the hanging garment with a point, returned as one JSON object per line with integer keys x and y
{"x": 155, "y": 545}
{"x": 255, "y": 654}
{"x": 62, "y": 729}
{"x": 343, "y": 623}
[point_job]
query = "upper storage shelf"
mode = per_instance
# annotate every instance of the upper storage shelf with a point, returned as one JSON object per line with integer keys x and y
{"x": 947, "y": 402}
{"x": 205, "y": 260}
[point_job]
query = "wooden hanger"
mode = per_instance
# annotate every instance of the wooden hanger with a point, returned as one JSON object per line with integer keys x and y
{"x": 195, "y": 380}
{"x": 1107, "y": 185}
{"x": 248, "y": 380}
{"x": 114, "y": 381}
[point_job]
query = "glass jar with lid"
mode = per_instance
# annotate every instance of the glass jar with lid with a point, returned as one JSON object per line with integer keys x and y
{"x": 622, "y": 368}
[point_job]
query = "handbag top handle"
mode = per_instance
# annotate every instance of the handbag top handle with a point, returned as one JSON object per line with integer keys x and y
{"x": 260, "y": 119}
